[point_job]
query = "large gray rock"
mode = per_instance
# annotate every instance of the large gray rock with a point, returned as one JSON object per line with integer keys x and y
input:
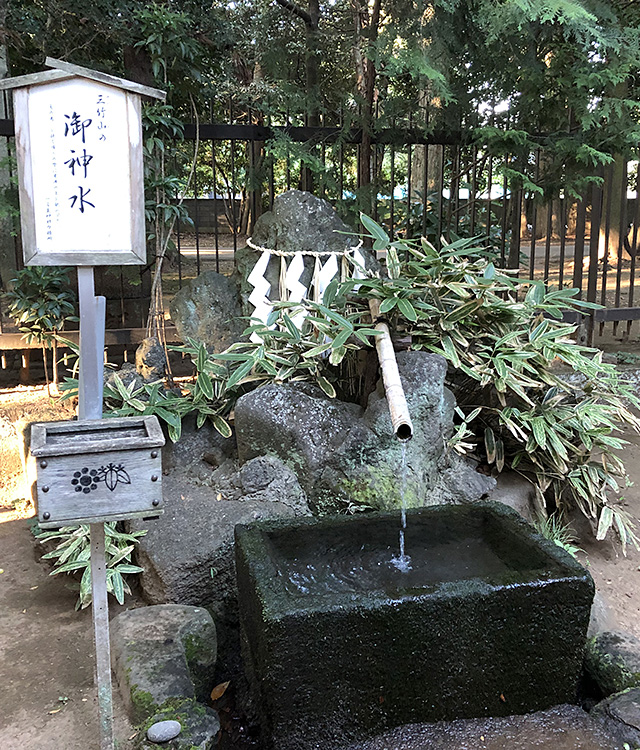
{"x": 187, "y": 554}
{"x": 621, "y": 713}
{"x": 299, "y": 221}
{"x": 207, "y": 309}
{"x": 195, "y": 446}
{"x": 345, "y": 455}
{"x": 514, "y": 490}
{"x": 127, "y": 374}
{"x": 612, "y": 659}
{"x": 162, "y": 653}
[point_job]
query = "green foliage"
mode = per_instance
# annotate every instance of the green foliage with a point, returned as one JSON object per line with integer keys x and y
{"x": 40, "y": 301}
{"x": 552, "y": 528}
{"x": 505, "y": 341}
{"x": 73, "y": 554}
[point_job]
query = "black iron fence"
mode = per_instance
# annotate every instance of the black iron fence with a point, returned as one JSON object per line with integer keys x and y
{"x": 435, "y": 186}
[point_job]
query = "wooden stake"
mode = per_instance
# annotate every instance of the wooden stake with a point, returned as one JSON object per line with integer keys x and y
{"x": 90, "y": 389}
{"x": 400, "y": 419}
{"x": 100, "y": 611}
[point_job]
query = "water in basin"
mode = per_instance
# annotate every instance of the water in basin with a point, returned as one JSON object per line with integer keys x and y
{"x": 359, "y": 558}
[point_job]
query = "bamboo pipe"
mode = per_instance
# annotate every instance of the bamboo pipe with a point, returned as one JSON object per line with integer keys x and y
{"x": 400, "y": 419}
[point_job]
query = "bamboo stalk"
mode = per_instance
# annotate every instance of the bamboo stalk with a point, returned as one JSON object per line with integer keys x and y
{"x": 400, "y": 419}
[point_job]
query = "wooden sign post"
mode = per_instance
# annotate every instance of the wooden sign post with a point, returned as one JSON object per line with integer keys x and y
{"x": 79, "y": 148}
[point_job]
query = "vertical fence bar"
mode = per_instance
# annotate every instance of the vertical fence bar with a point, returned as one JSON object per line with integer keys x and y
{"x": 216, "y": 238}
{"x": 515, "y": 239}
{"x": 592, "y": 278}
{"x": 196, "y": 212}
{"x": 232, "y": 197}
{"x": 452, "y": 189}
{"x": 505, "y": 210}
{"x": 534, "y": 223}
{"x": 605, "y": 255}
{"x": 323, "y": 182}
{"x": 633, "y": 248}
{"x": 392, "y": 191}
{"x": 489, "y": 187}
{"x": 409, "y": 168}
{"x": 251, "y": 179}
{"x": 441, "y": 196}
{"x": 473, "y": 190}
{"x": 621, "y": 236}
{"x": 288, "y": 164}
{"x": 563, "y": 240}
{"x": 425, "y": 188}
{"x": 547, "y": 241}
{"x": 458, "y": 172}
{"x": 578, "y": 248}
{"x": 179, "y": 248}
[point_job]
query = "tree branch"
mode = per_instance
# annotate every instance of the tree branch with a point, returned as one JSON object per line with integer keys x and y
{"x": 297, "y": 11}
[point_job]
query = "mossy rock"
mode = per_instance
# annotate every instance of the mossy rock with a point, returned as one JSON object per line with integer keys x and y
{"x": 612, "y": 659}
{"x": 162, "y": 653}
{"x": 200, "y": 726}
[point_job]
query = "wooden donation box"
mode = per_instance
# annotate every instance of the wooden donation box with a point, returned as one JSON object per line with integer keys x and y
{"x": 97, "y": 470}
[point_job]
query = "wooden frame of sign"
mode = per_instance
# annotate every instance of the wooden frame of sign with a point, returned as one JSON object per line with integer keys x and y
{"x": 79, "y": 149}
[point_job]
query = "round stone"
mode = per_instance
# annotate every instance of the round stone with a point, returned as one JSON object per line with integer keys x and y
{"x": 163, "y": 731}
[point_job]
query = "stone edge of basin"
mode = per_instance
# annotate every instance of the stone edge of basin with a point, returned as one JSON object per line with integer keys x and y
{"x": 252, "y": 537}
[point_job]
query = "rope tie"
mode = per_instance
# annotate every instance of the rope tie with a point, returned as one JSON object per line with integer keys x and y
{"x": 311, "y": 253}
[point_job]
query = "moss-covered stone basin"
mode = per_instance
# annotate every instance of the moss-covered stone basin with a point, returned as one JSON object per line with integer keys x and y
{"x": 339, "y": 644}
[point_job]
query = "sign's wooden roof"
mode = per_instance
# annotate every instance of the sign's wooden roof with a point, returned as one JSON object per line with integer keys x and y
{"x": 64, "y": 70}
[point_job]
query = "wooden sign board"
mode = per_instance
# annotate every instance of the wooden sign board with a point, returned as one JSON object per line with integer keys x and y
{"x": 79, "y": 148}
{"x": 97, "y": 470}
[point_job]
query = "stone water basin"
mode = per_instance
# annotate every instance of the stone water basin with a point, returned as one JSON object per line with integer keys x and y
{"x": 340, "y": 645}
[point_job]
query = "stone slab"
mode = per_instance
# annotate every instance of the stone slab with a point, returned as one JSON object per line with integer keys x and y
{"x": 563, "y": 727}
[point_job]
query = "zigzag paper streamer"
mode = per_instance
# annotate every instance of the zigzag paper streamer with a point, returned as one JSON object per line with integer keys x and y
{"x": 358, "y": 267}
{"x": 259, "y": 296}
{"x": 297, "y": 291}
{"x": 328, "y": 272}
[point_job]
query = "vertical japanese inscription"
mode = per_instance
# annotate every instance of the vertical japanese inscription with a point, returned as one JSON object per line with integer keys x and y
{"x": 81, "y": 163}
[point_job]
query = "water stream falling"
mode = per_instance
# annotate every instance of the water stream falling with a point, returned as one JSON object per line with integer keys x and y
{"x": 403, "y": 561}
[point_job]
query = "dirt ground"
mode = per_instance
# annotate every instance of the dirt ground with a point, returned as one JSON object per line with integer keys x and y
{"x": 47, "y": 699}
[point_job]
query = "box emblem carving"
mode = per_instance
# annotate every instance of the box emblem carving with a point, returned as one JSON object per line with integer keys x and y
{"x": 86, "y": 479}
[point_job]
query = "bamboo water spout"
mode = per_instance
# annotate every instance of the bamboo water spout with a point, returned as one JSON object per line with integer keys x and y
{"x": 400, "y": 419}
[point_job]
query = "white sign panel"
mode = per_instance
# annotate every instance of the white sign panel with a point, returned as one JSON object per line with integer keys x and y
{"x": 80, "y": 160}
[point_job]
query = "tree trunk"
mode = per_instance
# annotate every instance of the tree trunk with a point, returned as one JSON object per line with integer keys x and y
{"x": 366, "y": 33}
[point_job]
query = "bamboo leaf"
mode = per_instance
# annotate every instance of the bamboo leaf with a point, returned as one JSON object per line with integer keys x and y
{"x": 239, "y": 374}
{"x": 222, "y": 426}
{"x": 490, "y": 444}
{"x": 204, "y": 384}
{"x": 407, "y": 309}
{"x": 388, "y": 304}
{"x": 604, "y": 524}
{"x": 326, "y": 386}
{"x": 374, "y": 229}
